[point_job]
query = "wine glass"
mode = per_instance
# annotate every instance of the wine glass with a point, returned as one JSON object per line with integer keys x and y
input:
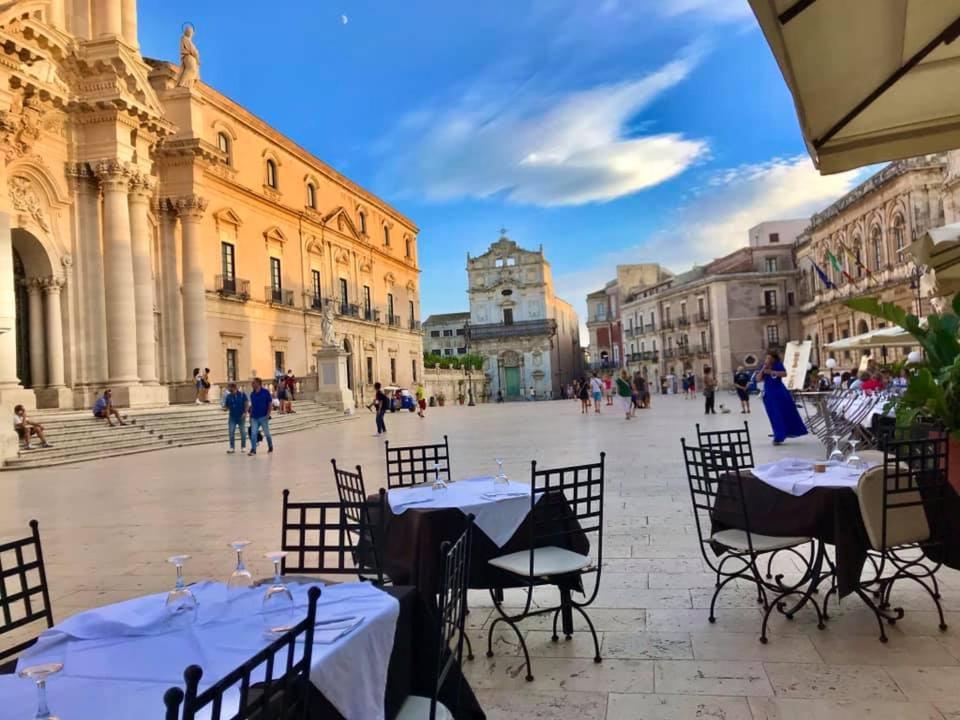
{"x": 438, "y": 483}
{"x": 853, "y": 460}
{"x": 240, "y": 578}
{"x": 836, "y": 454}
{"x": 39, "y": 674}
{"x": 501, "y": 477}
{"x": 277, "y": 607}
{"x": 181, "y": 602}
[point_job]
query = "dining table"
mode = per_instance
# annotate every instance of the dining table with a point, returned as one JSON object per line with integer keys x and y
{"x": 418, "y": 519}
{"x": 372, "y": 648}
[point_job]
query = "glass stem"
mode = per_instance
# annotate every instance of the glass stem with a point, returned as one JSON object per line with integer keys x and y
{"x": 180, "y": 577}
{"x": 276, "y": 572}
{"x": 240, "y": 560}
{"x": 43, "y": 710}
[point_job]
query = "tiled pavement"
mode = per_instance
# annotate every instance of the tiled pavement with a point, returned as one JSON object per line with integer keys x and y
{"x": 107, "y": 528}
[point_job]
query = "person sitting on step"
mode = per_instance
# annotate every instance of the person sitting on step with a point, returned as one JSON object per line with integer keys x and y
{"x": 27, "y": 428}
{"x": 104, "y": 408}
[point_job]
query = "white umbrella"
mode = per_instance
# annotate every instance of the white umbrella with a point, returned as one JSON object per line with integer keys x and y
{"x": 939, "y": 249}
{"x": 884, "y": 337}
{"x": 872, "y": 80}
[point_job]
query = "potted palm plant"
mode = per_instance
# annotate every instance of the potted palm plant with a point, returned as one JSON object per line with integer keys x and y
{"x": 933, "y": 389}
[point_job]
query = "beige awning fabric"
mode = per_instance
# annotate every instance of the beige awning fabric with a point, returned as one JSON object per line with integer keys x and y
{"x": 884, "y": 337}
{"x": 872, "y": 80}
{"x": 939, "y": 250}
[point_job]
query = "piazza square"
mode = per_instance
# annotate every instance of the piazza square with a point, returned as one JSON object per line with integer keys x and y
{"x": 108, "y": 528}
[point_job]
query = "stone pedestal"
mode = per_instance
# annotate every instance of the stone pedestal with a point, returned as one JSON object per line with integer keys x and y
{"x": 134, "y": 396}
{"x": 56, "y": 397}
{"x": 332, "y": 379}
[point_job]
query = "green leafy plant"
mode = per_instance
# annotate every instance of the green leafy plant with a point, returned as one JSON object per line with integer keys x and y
{"x": 933, "y": 390}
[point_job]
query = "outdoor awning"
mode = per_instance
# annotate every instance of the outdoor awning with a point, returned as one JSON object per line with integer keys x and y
{"x": 884, "y": 337}
{"x": 939, "y": 250}
{"x": 872, "y": 80}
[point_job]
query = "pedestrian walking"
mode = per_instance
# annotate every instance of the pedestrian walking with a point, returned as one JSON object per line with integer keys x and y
{"x": 608, "y": 388}
{"x": 624, "y": 391}
{"x": 198, "y": 385}
{"x": 261, "y": 408}
{"x": 692, "y": 385}
{"x": 289, "y": 387}
{"x": 596, "y": 389}
{"x": 381, "y": 403}
{"x": 583, "y": 393}
{"x": 205, "y": 385}
{"x": 741, "y": 381}
{"x": 235, "y": 402}
{"x": 421, "y": 394}
{"x": 532, "y": 394}
{"x": 709, "y": 391}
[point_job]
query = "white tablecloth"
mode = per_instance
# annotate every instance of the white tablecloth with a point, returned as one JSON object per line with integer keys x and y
{"x": 498, "y": 509}
{"x": 127, "y": 655}
{"x": 796, "y": 475}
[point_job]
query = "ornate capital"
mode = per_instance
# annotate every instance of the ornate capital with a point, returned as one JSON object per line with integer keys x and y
{"x": 32, "y": 284}
{"x": 113, "y": 174}
{"x": 81, "y": 177}
{"x": 191, "y": 207}
{"x": 51, "y": 285}
{"x": 142, "y": 186}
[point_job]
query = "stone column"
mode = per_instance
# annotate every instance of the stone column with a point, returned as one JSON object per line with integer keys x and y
{"x": 57, "y": 17}
{"x": 54, "y": 323}
{"x": 176, "y": 360}
{"x": 118, "y": 267}
{"x": 91, "y": 312}
{"x": 128, "y": 14}
{"x": 38, "y": 364}
{"x": 107, "y": 18}
{"x": 191, "y": 210}
{"x": 141, "y": 191}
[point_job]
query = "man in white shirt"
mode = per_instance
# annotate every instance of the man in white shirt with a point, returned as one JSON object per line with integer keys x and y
{"x": 596, "y": 390}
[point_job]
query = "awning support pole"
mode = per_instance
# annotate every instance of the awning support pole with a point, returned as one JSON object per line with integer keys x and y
{"x": 791, "y": 12}
{"x": 947, "y": 36}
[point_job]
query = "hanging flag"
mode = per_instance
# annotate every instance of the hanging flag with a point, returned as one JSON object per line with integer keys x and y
{"x": 833, "y": 261}
{"x": 827, "y": 282}
{"x": 851, "y": 260}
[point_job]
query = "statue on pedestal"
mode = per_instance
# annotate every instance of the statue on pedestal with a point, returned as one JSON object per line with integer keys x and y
{"x": 326, "y": 324}
{"x": 189, "y": 59}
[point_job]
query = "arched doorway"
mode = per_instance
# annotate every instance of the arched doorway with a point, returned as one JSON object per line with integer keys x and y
{"x": 33, "y": 278}
{"x": 862, "y": 327}
{"x": 511, "y": 374}
{"x": 348, "y": 348}
{"x": 23, "y": 321}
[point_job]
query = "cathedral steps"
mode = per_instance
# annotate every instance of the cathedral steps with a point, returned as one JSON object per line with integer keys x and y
{"x": 77, "y": 436}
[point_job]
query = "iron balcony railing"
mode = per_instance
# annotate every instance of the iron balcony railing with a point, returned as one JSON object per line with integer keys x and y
{"x": 393, "y": 320}
{"x": 415, "y": 324}
{"x": 669, "y": 354}
{"x": 233, "y": 287}
{"x": 768, "y": 310}
{"x": 348, "y": 309}
{"x": 278, "y": 296}
{"x": 701, "y": 317}
{"x": 604, "y": 365}
{"x": 651, "y": 327}
{"x": 316, "y": 302}
{"x": 667, "y": 325}
{"x": 524, "y": 327}
{"x": 684, "y": 321}
{"x": 369, "y": 314}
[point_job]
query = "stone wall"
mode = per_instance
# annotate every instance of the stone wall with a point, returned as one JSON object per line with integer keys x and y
{"x": 452, "y": 383}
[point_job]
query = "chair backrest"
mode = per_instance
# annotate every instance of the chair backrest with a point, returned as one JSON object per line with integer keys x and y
{"x": 350, "y": 488}
{"x": 900, "y": 499}
{"x": 566, "y": 505}
{"x": 24, "y": 595}
{"x": 332, "y": 538}
{"x": 415, "y": 464}
{"x": 716, "y": 486}
{"x": 736, "y": 442}
{"x": 256, "y": 687}
{"x": 455, "y": 568}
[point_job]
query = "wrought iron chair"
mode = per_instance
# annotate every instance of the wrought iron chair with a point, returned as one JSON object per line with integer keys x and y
{"x": 24, "y": 594}
{"x": 729, "y": 441}
{"x": 902, "y": 503}
{"x": 365, "y": 523}
{"x": 455, "y": 562}
{"x": 716, "y": 484}
{"x": 281, "y": 697}
{"x": 564, "y": 503}
{"x": 331, "y": 538}
{"x": 416, "y": 464}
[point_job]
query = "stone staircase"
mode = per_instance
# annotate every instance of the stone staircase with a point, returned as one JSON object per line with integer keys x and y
{"x": 76, "y": 436}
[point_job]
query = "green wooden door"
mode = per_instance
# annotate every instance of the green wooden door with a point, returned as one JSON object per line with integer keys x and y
{"x": 513, "y": 381}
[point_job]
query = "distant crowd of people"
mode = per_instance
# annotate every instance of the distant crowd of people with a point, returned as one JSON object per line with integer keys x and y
{"x": 870, "y": 380}
{"x": 628, "y": 392}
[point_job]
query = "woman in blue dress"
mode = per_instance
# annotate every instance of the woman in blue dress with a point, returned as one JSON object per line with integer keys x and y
{"x": 778, "y": 402}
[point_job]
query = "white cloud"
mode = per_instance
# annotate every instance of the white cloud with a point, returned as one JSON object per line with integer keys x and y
{"x": 717, "y": 10}
{"x": 715, "y": 221}
{"x": 556, "y": 149}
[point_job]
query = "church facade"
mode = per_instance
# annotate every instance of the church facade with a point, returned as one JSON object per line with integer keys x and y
{"x": 150, "y": 226}
{"x": 529, "y": 337}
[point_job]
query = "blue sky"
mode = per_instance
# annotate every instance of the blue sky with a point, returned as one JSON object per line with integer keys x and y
{"x": 606, "y": 130}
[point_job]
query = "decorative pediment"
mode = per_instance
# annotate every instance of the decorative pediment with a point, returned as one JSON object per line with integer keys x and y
{"x": 340, "y": 219}
{"x": 227, "y": 217}
{"x": 341, "y": 256}
{"x": 314, "y": 246}
{"x": 411, "y": 286}
{"x": 274, "y": 235}
{"x": 365, "y": 265}
{"x": 390, "y": 279}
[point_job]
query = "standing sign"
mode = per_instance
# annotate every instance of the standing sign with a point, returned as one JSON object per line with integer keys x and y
{"x": 795, "y": 360}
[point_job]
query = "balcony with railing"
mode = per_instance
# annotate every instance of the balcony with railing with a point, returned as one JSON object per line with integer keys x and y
{"x": 369, "y": 314}
{"x": 233, "y": 288}
{"x": 702, "y": 349}
{"x": 683, "y": 321}
{"x": 415, "y": 325}
{"x": 393, "y": 320}
{"x": 650, "y": 327}
{"x": 666, "y": 325}
{"x": 278, "y": 296}
{"x": 314, "y": 303}
{"x": 517, "y": 329}
{"x": 347, "y": 309}
{"x": 683, "y": 351}
{"x": 669, "y": 354}
{"x": 701, "y": 317}
{"x": 768, "y": 310}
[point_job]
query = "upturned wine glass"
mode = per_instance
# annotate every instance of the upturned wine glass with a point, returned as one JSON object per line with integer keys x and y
{"x": 438, "y": 483}
{"x": 277, "y": 610}
{"x": 501, "y": 477}
{"x": 836, "y": 454}
{"x": 853, "y": 460}
{"x": 39, "y": 675}
{"x": 240, "y": 578}
{"x": 181, "y": 603}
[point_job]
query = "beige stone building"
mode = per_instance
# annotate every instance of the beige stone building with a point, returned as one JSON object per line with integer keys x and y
{"x": 868, "y": 231}
{"x": 529, "y": 336}
{"x": 149, "y": 225}
{"x": 720, "y": 315}
{"x": 445, "y": 334}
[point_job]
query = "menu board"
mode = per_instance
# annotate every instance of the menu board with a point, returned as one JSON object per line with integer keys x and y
{"x": 795, "y": 359}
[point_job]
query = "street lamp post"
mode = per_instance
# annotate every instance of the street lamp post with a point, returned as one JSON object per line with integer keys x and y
{"x": 470, "y": 402}
{"x": 916, "y": 273}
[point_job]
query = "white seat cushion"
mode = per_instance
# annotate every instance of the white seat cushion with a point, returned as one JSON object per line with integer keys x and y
{"x": 416, "y": 707}
{"x": 905, "y": 525}
{"x": 737, "y": 540}
{"x": 547, "y": 561}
